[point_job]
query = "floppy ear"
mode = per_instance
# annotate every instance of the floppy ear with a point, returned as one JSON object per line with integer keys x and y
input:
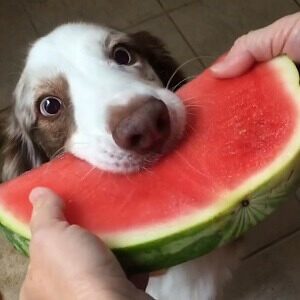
{"x": 164, "y": 65}
{"x": 18, "y": 152}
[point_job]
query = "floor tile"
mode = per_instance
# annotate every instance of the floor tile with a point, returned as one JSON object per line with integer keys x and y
{"x": 15, "y": 34}
{"x": 47, "y": 14}
{"x": 164, "y": 29}
{"x": 171, "y": 4}
{"x": 282, "y": 222}
{"x": 211, "y": 26}
{"x": 13, "y": 269}
{"x": 272, "y": 275}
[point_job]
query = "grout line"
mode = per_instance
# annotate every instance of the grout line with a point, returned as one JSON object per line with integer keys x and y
{"x": 180, "y": 32}
{"x": 30, "y": 19}
{"x": 169, "y": 10}
{"x": 164, "y": 12}
{"x": 273, "y": 243}
{"x": 297, "y": 3}
{"x": 143, "y": 21}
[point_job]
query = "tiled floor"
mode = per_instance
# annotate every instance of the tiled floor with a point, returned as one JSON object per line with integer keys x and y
{"x": 190, "y": 28}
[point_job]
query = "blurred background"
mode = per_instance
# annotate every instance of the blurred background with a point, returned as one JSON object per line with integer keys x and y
{"x": 201, "y": 29}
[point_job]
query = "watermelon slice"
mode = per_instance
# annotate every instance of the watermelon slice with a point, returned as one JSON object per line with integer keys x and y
{"x": 238, "y": 161}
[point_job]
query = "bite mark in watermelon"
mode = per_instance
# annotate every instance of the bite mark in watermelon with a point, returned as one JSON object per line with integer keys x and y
{"x": 238, "y": 161}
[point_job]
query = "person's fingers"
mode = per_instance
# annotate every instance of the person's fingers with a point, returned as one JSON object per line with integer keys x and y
{"x": 47, "y": 207}
{"x": 281, "y": 37}
{"x": 233, "y": 65}
{"x": 249, "y": 48}
{"x": 140, "y": 280}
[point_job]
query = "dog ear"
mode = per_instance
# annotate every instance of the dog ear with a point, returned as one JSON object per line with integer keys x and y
{"x": 164, "y": 65}
{"x": 18, "y": 152}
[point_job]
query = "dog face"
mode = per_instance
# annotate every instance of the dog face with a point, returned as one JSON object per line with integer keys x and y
{"x": 97, "y": 93}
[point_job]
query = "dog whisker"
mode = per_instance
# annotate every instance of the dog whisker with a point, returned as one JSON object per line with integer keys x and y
{"x": 182, "y": 81}
{"x": 189, "y": 99}
{"x": 192, "y": 128}
{"x": 195, "y": 105}
{"x": 178, "y": 69}
{"x": 191, "y": 166}
{"x": 208, "y": 56}
{"x": 57, "y": 152}
{"x": 88, "y": 173}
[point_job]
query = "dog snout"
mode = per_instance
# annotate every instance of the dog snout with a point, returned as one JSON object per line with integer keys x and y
{"x": 145, "y": 129}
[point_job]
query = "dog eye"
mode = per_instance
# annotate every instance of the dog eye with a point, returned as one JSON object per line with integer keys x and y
{"x": 123, "y": 56}
{"x": 50, "y": 106}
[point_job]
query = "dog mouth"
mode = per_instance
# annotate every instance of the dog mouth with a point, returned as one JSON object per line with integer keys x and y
{"x": 140, "y": 156}
{"x": 131, "y": 162}
{"x": 138, "y": 142}
{"x": 128, "y": 162}
{"x": 108, "y": 157}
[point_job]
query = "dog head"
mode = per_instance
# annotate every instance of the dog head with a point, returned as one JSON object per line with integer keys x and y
{"x": 97, "y": 93}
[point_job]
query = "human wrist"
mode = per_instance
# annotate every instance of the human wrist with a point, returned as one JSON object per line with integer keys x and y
{"x": 138, "y": 295}
{"x": 111, "y": 289}
{"x": 115, "y": 295}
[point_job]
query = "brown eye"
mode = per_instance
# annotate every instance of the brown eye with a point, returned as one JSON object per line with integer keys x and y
{"x": 123, "y": 56}
{"x": 50, "y": 106}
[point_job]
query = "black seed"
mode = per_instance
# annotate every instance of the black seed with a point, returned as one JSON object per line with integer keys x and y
{"x": 245, "y": 203}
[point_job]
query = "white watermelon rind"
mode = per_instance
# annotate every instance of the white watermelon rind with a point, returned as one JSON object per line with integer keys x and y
{"x": 202, "y": 238}
{"x": 221, "y": 229}
{"x": 174, "y": 242}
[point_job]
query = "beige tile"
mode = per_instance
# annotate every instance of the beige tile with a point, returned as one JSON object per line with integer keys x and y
{"x": 211, "y": 26}
{"x": 47, "y": 14}
{"x": 164, "y": 29}
{"x": 272, "y": 275}
{"x": 15, "y": 34}
{"x": 171, "y": 4}
{"x": 282, "y": 222}
{"x": 13, "y": 269}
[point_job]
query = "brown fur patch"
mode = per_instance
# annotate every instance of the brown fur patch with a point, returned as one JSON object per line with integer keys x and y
{"x": 51, "y": 133}
{"x": 154, "y": 51}
{"x": 118, "y": 112}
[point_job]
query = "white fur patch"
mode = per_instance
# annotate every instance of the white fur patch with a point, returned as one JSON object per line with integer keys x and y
{"x": 79, "y": 52}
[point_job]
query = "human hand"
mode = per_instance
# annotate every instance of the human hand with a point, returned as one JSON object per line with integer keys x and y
{"x": 67, "y": 262}
{"x": 281, "y": 37}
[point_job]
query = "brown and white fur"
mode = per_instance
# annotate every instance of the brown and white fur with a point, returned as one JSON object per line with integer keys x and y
{"x": 96, "y": 99}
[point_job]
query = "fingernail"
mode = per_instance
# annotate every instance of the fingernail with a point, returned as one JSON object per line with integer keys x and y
{"x": 217, "y": 67}
{"x": 37, "y": 194}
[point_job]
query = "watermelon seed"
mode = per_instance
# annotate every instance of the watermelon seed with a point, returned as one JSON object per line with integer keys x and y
{"x": 245, "y": 203}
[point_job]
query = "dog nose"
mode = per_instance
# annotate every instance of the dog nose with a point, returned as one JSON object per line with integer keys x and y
{"x": 145, "y": 129}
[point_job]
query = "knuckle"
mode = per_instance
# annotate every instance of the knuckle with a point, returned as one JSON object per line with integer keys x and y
{"x": 295, "y": 34}
{"x": 40, "y": 238}
{"x": 74, "y": 227}
{"x": 241, "y": 40}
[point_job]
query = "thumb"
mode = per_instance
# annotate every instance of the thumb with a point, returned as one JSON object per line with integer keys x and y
{"x": 47, "y": 208}
{"x": 281, "y": 37}
{"x": 234, "y": 64}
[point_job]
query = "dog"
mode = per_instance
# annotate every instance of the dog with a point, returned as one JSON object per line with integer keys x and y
{"x": 106, "y": 97}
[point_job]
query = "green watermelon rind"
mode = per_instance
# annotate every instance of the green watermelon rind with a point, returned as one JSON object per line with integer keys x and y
{"x": 228, "y": 222}
{"x": 217, "y": 232}
{"x": 198, "y": 240}
{"x": 19, "y": 242}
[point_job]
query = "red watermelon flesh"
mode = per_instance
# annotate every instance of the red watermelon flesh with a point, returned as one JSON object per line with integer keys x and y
{"x": 240, "y": 136}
